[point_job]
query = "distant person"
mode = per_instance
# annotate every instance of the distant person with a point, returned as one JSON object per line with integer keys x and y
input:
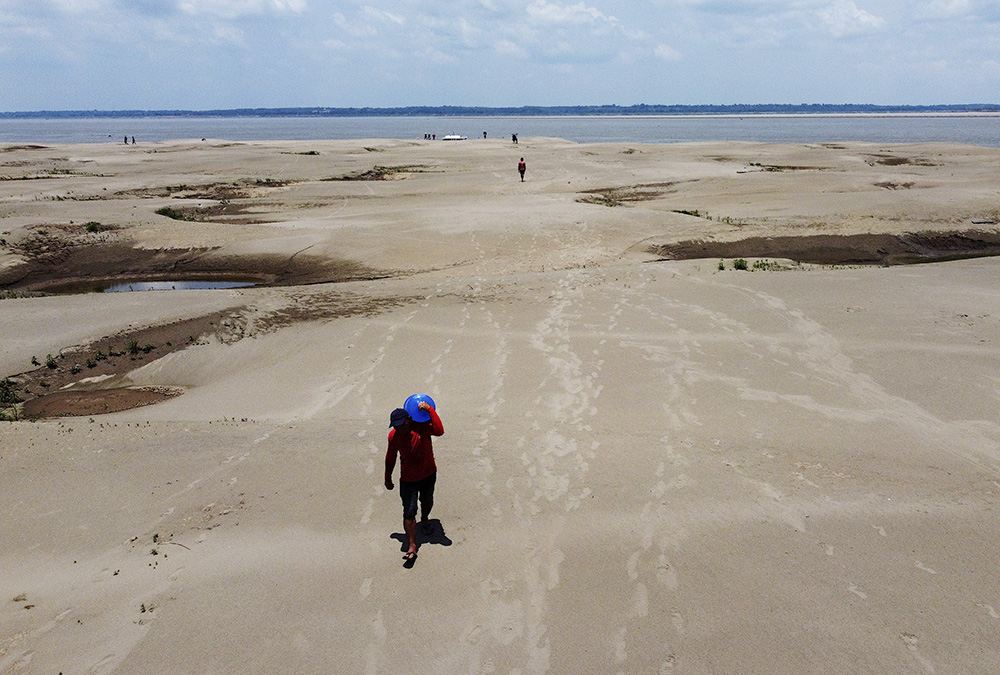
{"x": 513, "y": 139}
{"x": 521, "y": 167}
{"x": 126, "y": 140}
{"x": 417, "y": 470}
{"x": 434, "y": 137}
{"x": 484, "y": 135}
{"x": 133, "y": 140}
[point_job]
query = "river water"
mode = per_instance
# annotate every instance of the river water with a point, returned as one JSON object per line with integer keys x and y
{"x": 983, "y": 130}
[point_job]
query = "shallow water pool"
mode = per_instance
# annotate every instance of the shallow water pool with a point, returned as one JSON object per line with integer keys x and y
{"x": 134, "y": 286}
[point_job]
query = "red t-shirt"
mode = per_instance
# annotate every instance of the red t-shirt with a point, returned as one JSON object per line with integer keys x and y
{"x": 416, "y": 453}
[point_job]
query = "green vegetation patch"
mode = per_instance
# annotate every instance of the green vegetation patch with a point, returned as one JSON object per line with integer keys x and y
{"x": 176, "y": 214}
{"x": 9, "y": 398}
{"x": 95, "y": 227}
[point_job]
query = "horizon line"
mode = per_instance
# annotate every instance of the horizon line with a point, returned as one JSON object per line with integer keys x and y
{"x": 501, "y": 111}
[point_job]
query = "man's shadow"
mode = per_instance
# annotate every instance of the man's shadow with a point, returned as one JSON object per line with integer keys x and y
{"x": 430, "y": 533}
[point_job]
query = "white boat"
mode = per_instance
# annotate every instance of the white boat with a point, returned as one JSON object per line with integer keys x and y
{"x": 454, "y": 137}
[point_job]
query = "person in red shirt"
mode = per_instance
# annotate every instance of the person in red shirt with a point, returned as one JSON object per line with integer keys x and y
{"x": 521, "y": 166}
{"x": 417, "y": 470}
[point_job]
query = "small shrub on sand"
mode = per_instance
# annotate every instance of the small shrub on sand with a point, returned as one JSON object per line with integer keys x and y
{"x": 9, "y": 398}
{"x": 171, "y": 212}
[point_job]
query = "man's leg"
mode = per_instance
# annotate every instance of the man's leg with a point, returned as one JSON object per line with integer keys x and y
{"x": 427, "y": 499}
{"x": 410, "y": 527}
{"x": 408, "y": 493}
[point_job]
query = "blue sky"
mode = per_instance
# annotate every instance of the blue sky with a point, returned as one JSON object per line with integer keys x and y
{"x": 204, "y": 54}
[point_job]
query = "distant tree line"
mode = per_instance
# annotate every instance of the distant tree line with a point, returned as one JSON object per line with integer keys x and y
{"x": 527, "y": 111}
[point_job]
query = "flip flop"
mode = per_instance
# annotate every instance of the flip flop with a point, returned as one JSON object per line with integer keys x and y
{"x": 410, "y": 555}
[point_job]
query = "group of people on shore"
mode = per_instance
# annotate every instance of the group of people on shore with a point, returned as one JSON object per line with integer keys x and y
{"x": 433, "y": 137}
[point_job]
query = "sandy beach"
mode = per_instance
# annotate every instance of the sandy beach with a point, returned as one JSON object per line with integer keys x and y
{"x": 653, "y": 462}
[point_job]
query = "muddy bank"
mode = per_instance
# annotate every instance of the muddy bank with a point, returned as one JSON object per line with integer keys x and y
{"x": 92, "y": 379}
{"x": 859, "y": 249}
{"x": 88, "y": 379}
{"x": 55, "y": 266}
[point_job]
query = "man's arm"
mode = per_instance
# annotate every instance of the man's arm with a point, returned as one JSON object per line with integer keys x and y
{"x": 390, "y": 463}
{"x": 437, "y": 427}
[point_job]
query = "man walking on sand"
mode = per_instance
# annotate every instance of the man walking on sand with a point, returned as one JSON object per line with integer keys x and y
{"x": 520, "y": 168}
{"x": 417, "y": 470}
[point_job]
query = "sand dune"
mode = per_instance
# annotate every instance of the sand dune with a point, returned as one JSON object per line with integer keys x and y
{"x": 649, "y": 465}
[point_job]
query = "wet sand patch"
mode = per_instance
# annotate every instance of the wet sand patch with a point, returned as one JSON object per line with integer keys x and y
{"x": 857, "y": 249}
{"x": 897, "y": 160}
{"x": 617, "y": 196}
{"x": 99, "y": 402}
{"x": 241, "y": 189}
{"x": 379, "y": 172}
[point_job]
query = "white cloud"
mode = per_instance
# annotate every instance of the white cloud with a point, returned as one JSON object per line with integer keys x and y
{"x": 383, "y": 16}
{"x": 846, "y": 18}
{"x": 78, "y": 6}
{"x": 231, "y": 9}
{"x": 741, "y": 7}
{"x": 561, "y": 47}
{"x": 631, "y": 56}
{"x": 508, "y": 48}
{"x": 555, "y": 14}
{"x": 353, "y": 28}
{"x": 472, "y": 35}
{"x": 943, "y": 9}
{"x": 666, "y": 53}
{"x": 437, "y": 56}
{"x": 227, "y": 35}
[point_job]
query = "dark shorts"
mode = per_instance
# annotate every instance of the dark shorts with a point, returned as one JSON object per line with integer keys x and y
{"x": 411, "y": 492}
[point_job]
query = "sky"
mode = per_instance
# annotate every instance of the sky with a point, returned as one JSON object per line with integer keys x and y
{"x": 212, "y": 54}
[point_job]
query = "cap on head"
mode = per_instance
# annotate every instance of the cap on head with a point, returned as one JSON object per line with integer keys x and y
{"x": 398, "y": 417}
